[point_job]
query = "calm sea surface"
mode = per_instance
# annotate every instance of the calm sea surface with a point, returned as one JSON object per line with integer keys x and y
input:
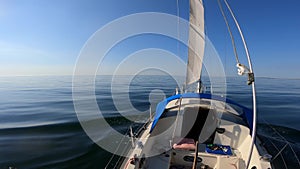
{"x": 39, "y": 127}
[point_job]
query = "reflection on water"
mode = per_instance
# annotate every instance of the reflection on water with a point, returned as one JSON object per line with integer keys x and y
{"x": 39, "y": 127}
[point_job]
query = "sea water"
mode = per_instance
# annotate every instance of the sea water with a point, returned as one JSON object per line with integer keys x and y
{"x": 39, "y": 127}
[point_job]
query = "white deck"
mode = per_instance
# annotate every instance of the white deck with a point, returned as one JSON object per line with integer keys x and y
{"x": 236, "y": 135}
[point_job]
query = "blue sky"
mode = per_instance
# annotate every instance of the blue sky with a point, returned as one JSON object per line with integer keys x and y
{"x": 45, "y": 37}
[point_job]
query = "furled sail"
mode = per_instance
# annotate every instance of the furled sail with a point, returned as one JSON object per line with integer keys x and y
{"x": 196, "y": 42}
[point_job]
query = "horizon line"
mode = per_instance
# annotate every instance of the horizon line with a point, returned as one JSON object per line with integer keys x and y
{"x": 53, "y": 75}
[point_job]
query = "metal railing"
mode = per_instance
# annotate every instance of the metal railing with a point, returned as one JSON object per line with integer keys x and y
{"x": 116, "y": 161}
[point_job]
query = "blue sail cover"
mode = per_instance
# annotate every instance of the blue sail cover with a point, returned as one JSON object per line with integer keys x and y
{"x": 247, "y": 113}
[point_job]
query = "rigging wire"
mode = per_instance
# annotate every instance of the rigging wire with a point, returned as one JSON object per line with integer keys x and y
{"x": 284, "y": 140}
{"x": 178, "y": 22}
{"x": 241, "y": 71}
{"x": 176, "y": 120}
{"x": 230, "y": 32}
{"x": 114, "y": 154}
{"x": 242, "y": 36}
{"x": 279, "y": 153}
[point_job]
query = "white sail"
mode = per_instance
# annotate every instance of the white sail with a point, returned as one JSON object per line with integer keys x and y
{"x": 196, "y": 41}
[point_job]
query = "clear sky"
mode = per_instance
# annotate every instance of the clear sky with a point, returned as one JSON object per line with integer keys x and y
{"x": 44, "y": 37}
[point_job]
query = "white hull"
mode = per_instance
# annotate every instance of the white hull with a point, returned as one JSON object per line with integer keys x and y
{"x": 222, "y": 126}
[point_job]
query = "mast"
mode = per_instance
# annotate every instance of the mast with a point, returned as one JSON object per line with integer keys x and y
{"x": 196, "y": 42}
